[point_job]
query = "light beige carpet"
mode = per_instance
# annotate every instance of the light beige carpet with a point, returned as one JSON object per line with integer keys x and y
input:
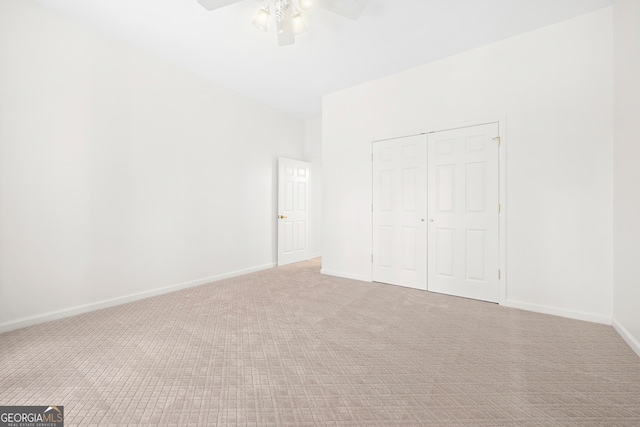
{"x": 290, "y": 347}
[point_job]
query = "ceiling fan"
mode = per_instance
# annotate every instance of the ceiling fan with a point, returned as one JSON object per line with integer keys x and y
{"x": 288, "y": 17}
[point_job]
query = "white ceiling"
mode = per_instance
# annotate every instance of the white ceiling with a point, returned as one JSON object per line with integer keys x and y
{"x": 336, "y": 53}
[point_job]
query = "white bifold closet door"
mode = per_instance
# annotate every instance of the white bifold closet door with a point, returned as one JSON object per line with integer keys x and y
{"x": 463, "y": 198}
{"x": 436, "y": 212}
{"x": 399, "y": 211}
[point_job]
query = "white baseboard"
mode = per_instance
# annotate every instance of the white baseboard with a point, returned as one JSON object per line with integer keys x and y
{"x": 555, "y": 311}
{"x": 345, "y": 275}
{"x": 626, "y": 335}
{"x": 73, "y": 311}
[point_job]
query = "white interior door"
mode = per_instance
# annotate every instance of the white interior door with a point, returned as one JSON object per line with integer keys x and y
{"x": 293, "y": 211}
{"x": 399, "y": 211}
{"x": 464, "y": 212}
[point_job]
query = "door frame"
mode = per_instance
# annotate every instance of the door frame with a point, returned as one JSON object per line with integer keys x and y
{"x": 502, "y": 180}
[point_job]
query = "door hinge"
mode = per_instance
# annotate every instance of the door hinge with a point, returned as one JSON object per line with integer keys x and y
{"x": 372, "y": 157}
{"x": 372, "y": 207}
{"x": 371, "y": 257}
{"x": 498, "y": 274}
{"x": 497, "y": 138}
{"x": 499, "y": 208}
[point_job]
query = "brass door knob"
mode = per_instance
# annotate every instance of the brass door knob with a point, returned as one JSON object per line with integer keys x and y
{"x": 282, "y": 216}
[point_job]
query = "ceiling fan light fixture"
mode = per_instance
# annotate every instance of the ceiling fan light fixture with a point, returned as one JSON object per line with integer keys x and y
{"x": 298, "y": 24}
{"x": 306, "y": 4}
{"x": 262, "y": 19}
{"x": 289, "y": 21}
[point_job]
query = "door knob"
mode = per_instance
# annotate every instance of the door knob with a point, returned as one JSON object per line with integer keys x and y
{"x": 282, "y": 216}
{"x": 430, "y": 219}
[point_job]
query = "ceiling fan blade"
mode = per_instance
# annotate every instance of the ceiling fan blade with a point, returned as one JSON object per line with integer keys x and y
{"x": 285, "y": 39}
{"x": 216, "y": 4}
{"x": 286, "y": 36}
{"x": 348, "y": 8}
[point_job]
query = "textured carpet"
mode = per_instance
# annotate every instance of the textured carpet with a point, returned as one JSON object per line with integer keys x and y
{"x": 290, "y": 347}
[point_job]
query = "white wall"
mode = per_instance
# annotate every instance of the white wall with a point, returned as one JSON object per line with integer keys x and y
{"x": 121, "y": 174}
{"x": 555, "y": 88}
{"x": 313, "y": 154}
{"x": 313, "y": 139}
{"x": 626, "y": 173}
